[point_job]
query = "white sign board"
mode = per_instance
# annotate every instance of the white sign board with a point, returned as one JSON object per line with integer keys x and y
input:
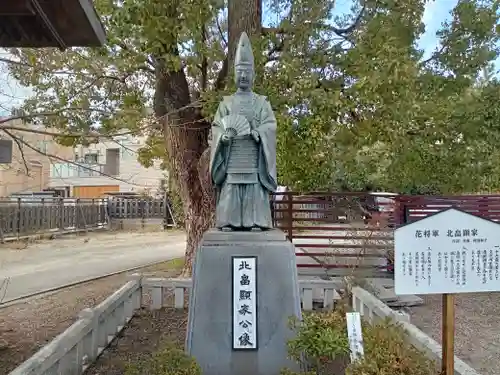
{"x": 245, "y": 303}
{"x": 355, "y": 335}
{"x": 448, "y": 252}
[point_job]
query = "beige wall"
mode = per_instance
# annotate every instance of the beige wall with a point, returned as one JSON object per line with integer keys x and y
{"x": 15, "y": 177}
{"x": 132, "y": 177}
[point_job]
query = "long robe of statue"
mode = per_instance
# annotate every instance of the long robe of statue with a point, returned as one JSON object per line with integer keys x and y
{"x": 243, "y": 151}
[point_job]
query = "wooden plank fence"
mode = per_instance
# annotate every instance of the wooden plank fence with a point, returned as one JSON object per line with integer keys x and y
{"x": 337, "y": 232}
{"x": 24, "y": 217}
{"x": 141, "y": 208}
{"x": 20, "y": 217}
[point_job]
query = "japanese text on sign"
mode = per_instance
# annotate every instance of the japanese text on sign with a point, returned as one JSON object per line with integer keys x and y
{"x": 449, "y": 252}
{"x": 355, "y": 335}
{"x": 244, "y": 303}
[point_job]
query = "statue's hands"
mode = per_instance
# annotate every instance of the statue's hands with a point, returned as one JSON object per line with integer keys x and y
{"x": 228, "y": 135}
{"x": 255, "y": 135}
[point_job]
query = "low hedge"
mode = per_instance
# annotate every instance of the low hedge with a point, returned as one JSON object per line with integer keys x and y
{"x": 321, "y": 347}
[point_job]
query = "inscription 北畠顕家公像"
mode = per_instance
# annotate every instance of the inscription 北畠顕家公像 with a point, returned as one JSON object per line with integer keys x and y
{"x": 245, "y": 303}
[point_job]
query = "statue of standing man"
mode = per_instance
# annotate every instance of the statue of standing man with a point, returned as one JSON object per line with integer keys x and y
{"x": 243, "y": 151}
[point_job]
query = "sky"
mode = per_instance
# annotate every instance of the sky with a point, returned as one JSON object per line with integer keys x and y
{"x": 436, "y": 12}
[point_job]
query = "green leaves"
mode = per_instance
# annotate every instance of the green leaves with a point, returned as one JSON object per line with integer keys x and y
{"x": 353, "y": 108}
{"x": 319, "y": 336}
{"x": 321, "y": 342}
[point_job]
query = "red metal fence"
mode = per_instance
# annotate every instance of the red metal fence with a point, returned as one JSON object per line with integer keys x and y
{"x": 415, "y": 207}
{"x": 344, "y": 233}
{"x": 338, "y": 232}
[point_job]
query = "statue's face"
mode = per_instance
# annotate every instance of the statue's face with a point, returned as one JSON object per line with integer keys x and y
{"x": 244, "y": 77}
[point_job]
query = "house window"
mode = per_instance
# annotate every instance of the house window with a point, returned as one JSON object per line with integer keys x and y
{"x": 91, "y": 159}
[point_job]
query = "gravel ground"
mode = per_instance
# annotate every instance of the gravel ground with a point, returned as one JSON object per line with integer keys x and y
{"x": 477, "y": 327}
{"x": 26, "y": 327}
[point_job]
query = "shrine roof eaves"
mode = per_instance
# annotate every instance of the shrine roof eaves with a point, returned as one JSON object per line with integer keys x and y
{"x": 50, "y": 23}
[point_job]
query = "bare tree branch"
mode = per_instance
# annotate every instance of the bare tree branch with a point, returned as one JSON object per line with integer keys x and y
{"x": 20, "y": 147}
{"x": 433, "y": 56}
{"x": 219, "y": 27}
{"x": 57, "y": 113}
{"x": 341, "y": 32}
{"x": 204, "y": 62}
{"x": 4, "y": 124}
{"x": 55, "y": 157}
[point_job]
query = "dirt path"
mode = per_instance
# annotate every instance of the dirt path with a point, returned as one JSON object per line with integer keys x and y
{"x": 26, "y": 327}
{"x": 50, "y": 264}
{"x": 477, "y": 323}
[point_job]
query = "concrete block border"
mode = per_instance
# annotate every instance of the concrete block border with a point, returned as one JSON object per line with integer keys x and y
{"x": 83, "y": 342}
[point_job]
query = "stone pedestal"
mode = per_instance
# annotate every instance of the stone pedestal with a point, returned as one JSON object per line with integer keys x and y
{"x": 209, "y": 337}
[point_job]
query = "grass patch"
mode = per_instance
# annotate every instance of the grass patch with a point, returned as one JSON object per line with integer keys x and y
{"x": 169, "y": 360}
{"x": 169, "y": 266}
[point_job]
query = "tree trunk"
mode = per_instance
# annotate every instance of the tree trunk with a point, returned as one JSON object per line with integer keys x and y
{"x": 186, "y": 137}
{"x": 243, "y": 15}
{"x": 186, "y": 133}
{"x": 188, "y": 161}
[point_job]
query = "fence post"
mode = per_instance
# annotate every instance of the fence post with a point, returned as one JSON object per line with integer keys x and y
{"x": 398, "y": 212}
{"x": 61, "y": 214}
{"x": 142, "y": 208}
{"x": 401, "y": 211}
{"x": 43, "y": 220}
{"x": 18, "y": 217}
{"x": 290, "y": 216}
{"x": 165, "y": 211}
{"x": 76, "y": 212}
{"x": 92, "y": 215}
{"x": 272, "y": 198}
{"x": 483, "y": 207}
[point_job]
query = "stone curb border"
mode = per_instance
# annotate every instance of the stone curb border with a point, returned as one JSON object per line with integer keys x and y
{"x": 83, "y": 342}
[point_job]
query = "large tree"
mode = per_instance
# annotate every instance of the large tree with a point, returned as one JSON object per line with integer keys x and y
{"x": 351, "y": 92}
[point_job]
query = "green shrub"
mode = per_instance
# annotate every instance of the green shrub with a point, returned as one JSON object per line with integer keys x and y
{"x": 321, "y": 344}
{"x": 388, "y": 352}
{"x": 319, "y": 338}
{"x": 170, "y": 360}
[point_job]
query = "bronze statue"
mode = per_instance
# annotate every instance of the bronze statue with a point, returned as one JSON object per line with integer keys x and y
{"x": 243, "y": 151}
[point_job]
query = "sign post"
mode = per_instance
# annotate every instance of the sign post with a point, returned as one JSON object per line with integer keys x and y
{"x": 448, "y": 338}
{"x": 446, "y": 253}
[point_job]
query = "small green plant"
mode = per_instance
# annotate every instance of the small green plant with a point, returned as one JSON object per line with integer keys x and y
{"x": 321, "y": 345}
{"x": 170, "y": 360}
{"x": 321, "y": 338}
{"x": 387, "y": 351}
